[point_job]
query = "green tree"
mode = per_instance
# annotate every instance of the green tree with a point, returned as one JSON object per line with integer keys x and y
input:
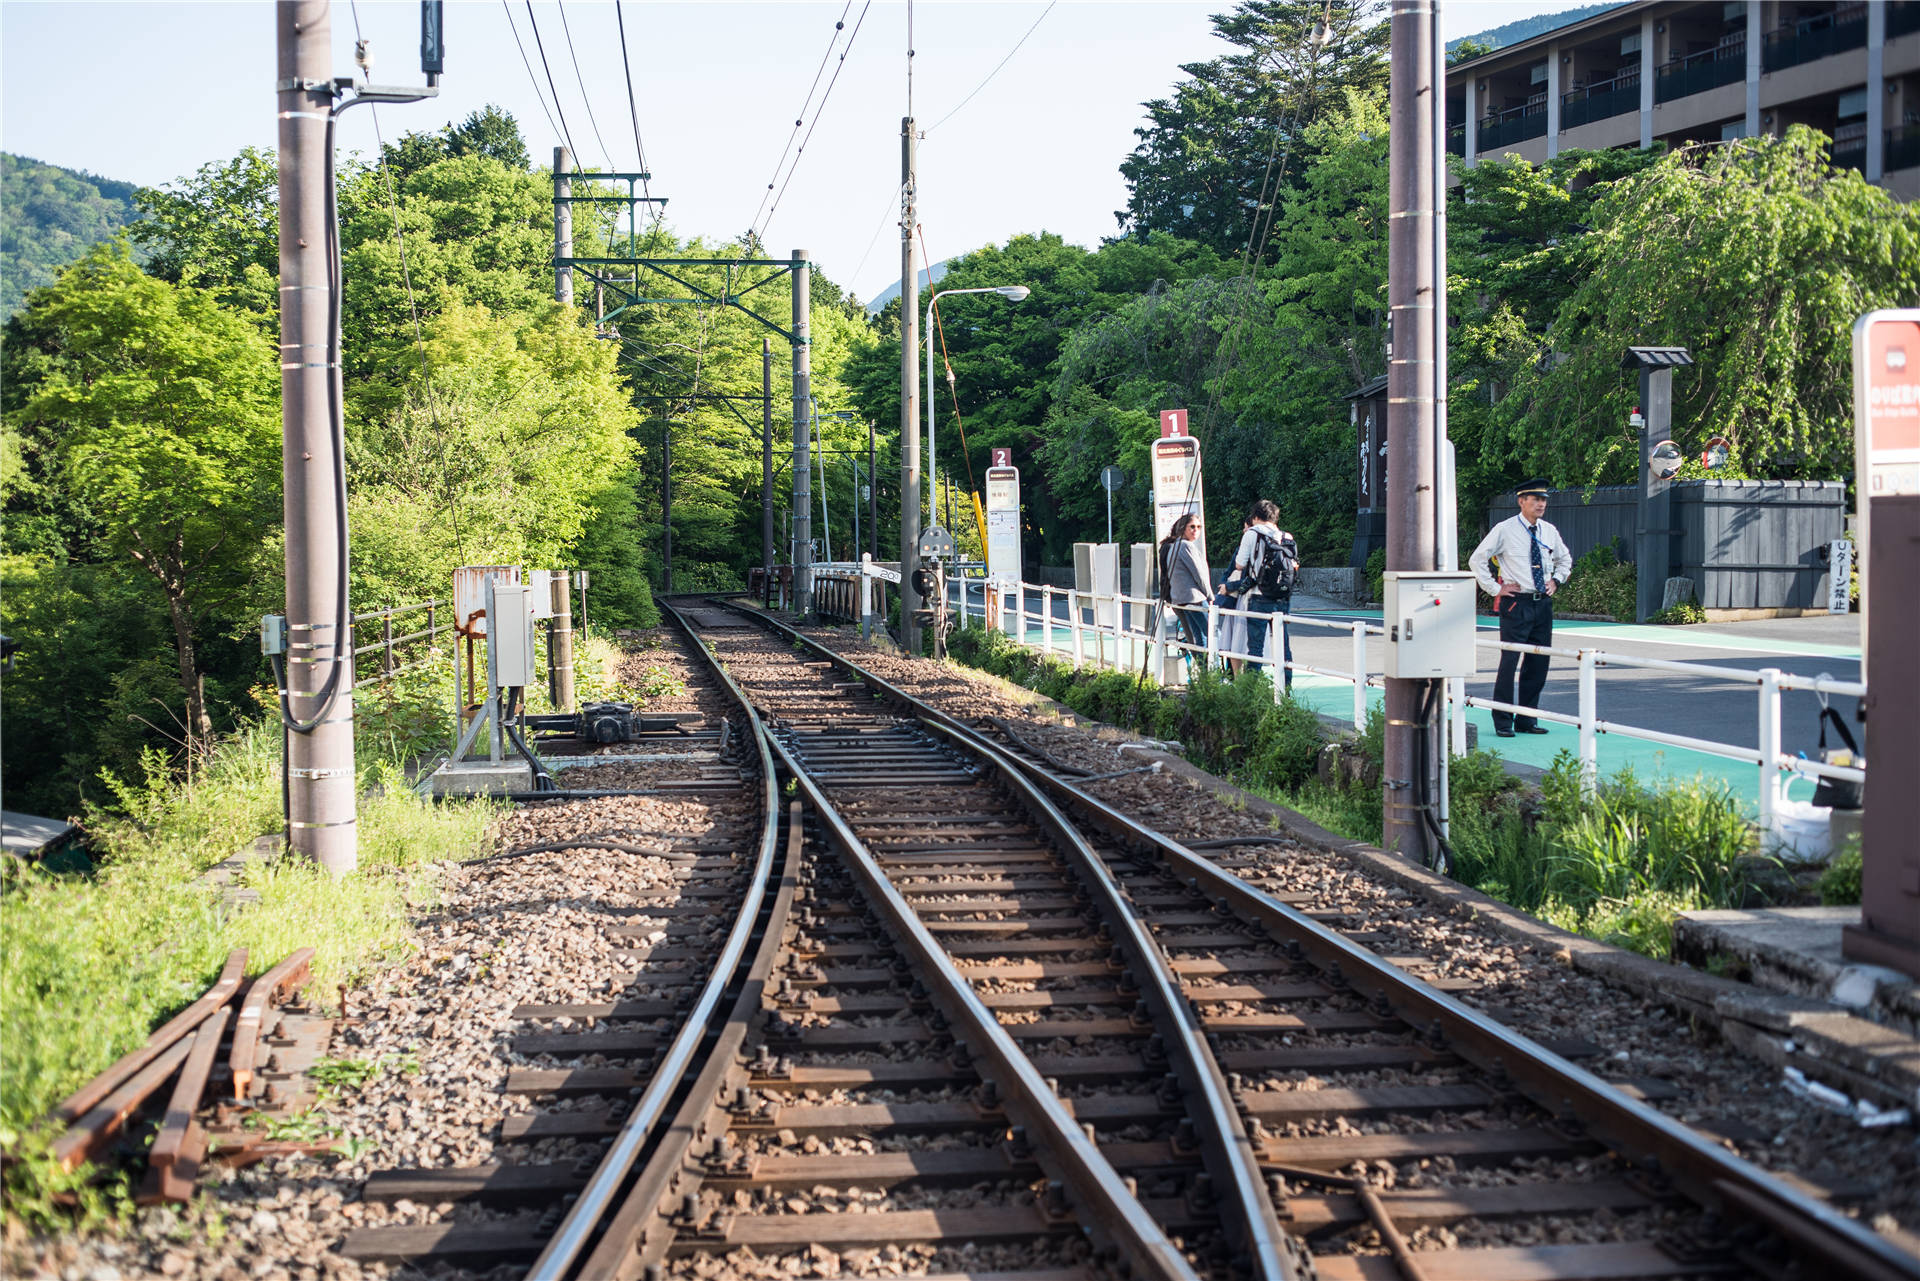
{"x": 1212, "y": 156}
{"x": 1757, "y": 256}
{"x": 163, "y": 411}
{"x": 49, "y": 216}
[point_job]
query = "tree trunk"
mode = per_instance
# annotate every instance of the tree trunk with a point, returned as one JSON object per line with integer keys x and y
{"x": 199, "y": 724}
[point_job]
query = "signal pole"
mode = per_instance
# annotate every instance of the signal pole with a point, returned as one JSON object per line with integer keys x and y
{"x": 802, "y": 438}
{"x": 909, "y": 397}
{"x": 319, "y": 762}
{"x": 1413, "y": 453}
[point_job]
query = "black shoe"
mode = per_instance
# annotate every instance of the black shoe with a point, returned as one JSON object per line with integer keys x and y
{"x": 1504, "y": 733}
{"x": 1530, "y": 729}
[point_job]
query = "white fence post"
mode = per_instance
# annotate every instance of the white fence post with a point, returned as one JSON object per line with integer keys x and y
{"x": 1073, "y": 630}
{"x": 1046, "y": 619}
{"x": 1213, "y": 634}
{"x": 1457, "y": 715}
{"x": 1589, "y": 716}
{"x": 1276, "y": 654}
{"x": 1769, "y": 746}
{"x": 1359, "y": 674}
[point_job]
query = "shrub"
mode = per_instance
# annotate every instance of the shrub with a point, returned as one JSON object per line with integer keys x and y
{"x": 1685, "y": 612}
{"x": 1840, "y": 882}
{"x": 1601, "y": 584}
{"x": 1377, "y": 574}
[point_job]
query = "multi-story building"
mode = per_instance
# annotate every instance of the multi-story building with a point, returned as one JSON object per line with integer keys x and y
{"x": 1656, "y": 70}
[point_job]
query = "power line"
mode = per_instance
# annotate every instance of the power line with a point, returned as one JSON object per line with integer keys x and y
{"x": 567, "y": 31}
{"x": 819, "y": 71}
{"x": 541, "y": 48}
{"x": 633, "y": 106}
{"x": 525, "y": 62}
{"x": 818, "y": 112}
{"x": 892, "y": 200}
{"x": 996, "y": 71}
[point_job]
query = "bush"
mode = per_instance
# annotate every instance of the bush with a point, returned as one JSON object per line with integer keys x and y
{"x": 1377, "y": 574}
{"x": 1685, "y": 612}
{"x": 1840, "y": 882}
{"x": 1601, "y": 584}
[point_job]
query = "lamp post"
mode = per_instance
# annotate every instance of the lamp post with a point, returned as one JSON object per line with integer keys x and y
{"x": 1015, "y": 292}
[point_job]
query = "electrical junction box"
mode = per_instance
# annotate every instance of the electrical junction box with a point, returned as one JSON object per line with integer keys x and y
{"x": 1430, "y": 620}
{"x": 540, "y": 581}
{"x": 512, "y": 641}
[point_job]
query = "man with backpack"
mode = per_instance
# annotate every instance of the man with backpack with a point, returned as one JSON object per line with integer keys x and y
{"x": 1265, "y": 566}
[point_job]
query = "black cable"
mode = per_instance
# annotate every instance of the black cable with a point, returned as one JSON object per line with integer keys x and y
{"x": 528, "y": 64}
{"x": 516, "y": 700}
{"x": 541, "y": 48}
{"x": 1442, "y": 859}
{"x": 818, "y": 71}
{"x": 567, "y": 31}
{"x": 633, "y": 105}
{"x": 329, "y": 692}
{"x": 817, "y": 113}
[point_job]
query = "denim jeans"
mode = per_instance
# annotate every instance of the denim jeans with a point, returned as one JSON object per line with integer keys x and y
{"x": 1257, "y": 633}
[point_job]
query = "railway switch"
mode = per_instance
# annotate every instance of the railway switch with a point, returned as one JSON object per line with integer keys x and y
{"x": 605, "y": 723}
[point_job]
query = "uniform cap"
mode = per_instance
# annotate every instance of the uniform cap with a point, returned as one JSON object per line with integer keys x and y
{"x": 1539, "y": 487}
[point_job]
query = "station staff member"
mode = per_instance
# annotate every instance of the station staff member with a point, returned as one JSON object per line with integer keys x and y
{"x": 1534, "y": 562}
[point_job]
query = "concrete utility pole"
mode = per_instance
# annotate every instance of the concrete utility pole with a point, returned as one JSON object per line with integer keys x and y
{"x": 1413, "y": 192}
{"x": 319, "y": 762}
{"x": 666, "y": 503}
{"x": 909, "y": 397}
{"x": 802, "y": 437}
{"x": 563, "y": 223}
{"x": 766, "y": 457}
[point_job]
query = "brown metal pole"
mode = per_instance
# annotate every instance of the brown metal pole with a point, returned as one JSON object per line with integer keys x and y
{"x": 319, "y": 763}
{"x": 802, "y": 438}
{"x": 1411, "y": 450}
{"x": 909, "y": 396}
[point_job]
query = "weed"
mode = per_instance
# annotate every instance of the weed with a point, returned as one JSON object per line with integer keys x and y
{"x": 308, "y": 1126}
{"x": 1840, "y": 882}
{"x": 351, "y": 1074}
{"x": 353, "y": 1147}
{"x": 1685, "y": 611}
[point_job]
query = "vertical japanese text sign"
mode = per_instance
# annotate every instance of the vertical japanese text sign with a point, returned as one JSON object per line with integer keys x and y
{"x": 1176, "y": 476}
{"x": 1003, "y": 518}
{"x": 1886, "y": 427}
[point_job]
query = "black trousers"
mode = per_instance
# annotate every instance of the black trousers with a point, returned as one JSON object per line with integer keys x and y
{"x": 1526, "y": 619}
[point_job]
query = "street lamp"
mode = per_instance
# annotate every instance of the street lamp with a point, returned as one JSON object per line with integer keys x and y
{"x": 1014, "y": 292}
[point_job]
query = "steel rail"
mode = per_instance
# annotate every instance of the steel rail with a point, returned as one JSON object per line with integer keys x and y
{"x": 626, "y": 1247}
{"x": 1226, "y": 1149}
{"x": 1706, "y": 1172}
{"x": 1111, "y": 1214}
{"x": 578, "y": 1229}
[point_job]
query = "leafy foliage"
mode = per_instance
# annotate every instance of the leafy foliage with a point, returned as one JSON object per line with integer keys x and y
{"x": 51, "y": 217}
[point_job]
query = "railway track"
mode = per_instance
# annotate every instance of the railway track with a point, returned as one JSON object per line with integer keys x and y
{"x": 968, "y": 1019}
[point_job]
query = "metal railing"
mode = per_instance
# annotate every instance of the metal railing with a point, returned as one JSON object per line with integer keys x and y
{"x": 1600, "y": 100}
{"x": 388, "y": 644}
{"x": 1134, "y": 633}
{"x": 1902, "y": 144}
{"x": 1816, "y": 37}
{"x": 1516, "y": 124}
{"x": 1698, "y": 72}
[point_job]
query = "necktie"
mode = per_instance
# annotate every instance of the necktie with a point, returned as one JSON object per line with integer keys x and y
{"x": 1539, "y": 573}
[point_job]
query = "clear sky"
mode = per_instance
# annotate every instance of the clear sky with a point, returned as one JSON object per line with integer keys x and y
{"x": 150, "y": 91}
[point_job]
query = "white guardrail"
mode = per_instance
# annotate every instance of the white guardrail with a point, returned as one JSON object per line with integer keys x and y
{"x": 1136, "y": 633}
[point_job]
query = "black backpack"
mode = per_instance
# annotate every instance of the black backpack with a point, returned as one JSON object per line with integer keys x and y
{"x": 1279, "y": 565}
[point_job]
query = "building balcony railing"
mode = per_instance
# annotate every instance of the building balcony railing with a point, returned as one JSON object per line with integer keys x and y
{"x": 1598, "y": 101}
{"x": 1456, "y": 140}
{"x": 1903, "y": 19}
{"x": 1850, "y": 153}
{"x": 1699, "y": 72}
{"x": 1902, "y": 146}
{"x": 1816, "y": 37}
{"x": 1516, "y": 124}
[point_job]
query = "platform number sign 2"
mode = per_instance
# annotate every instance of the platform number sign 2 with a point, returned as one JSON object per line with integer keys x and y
{"x": 1003, "y": 518}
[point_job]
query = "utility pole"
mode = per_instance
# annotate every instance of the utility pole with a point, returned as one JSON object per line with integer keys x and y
{"x": 802, "y": 437}
{"x": 666, "y": 503}
{"x": 766, "y": 458}
{"x": 909, "y": 397}
{"x": 873, "y": 499}
{"x": 563, "y": 223}
{"x": 1413, "y": 191}
{"x": 560, "y": 643}
{"x": 321, "y": 823}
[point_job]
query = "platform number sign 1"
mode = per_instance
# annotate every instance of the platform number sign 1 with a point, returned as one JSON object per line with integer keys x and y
{"x": 1003, "y": 518}
{"x": 1176, "y": 476}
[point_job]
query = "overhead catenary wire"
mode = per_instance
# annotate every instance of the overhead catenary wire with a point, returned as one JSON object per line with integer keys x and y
{"x": 818, "y": 112}
{"x": 528, "y": 64}
{"x": 633, "y": 104}
{"x": 800, "y": 118}
{"x": 997, "y": 69}
{"x": 566, "y": 30}
{"x": 541, "y": 48}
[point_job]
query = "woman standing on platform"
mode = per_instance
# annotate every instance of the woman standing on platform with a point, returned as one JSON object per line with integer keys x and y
{"x": 1189, "y": 584}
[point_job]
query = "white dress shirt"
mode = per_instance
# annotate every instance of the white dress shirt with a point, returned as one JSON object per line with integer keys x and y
{"x": 1511, "y": 543}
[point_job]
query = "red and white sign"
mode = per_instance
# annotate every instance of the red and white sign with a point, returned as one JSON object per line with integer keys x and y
{"x": 1002, "y": 458}
{"x": 1886, "y": 402}
{"x": 1173, "y": 422}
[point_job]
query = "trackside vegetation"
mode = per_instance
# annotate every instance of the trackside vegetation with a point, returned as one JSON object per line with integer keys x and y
{"x": 1616, "y": 867}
